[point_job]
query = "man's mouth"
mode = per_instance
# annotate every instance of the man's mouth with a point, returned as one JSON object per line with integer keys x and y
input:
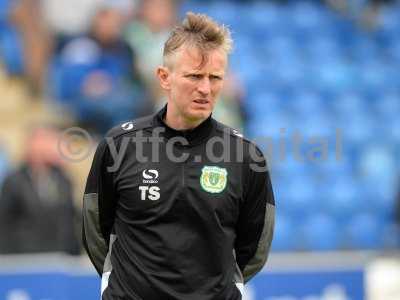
{"x": 201, "y": 101}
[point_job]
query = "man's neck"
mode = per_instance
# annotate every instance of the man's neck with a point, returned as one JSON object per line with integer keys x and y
{"x": 177, "y": 122}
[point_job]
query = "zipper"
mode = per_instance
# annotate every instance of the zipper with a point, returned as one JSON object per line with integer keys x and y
{"x": 183, "y": 174}
{"x": 183, "y": 170}
{"x": 184, "y": 162}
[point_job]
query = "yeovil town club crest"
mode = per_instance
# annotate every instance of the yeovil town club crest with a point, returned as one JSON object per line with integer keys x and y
{"x": 213, "y": 179}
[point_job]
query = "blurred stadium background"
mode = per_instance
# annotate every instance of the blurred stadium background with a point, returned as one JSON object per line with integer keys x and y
{"x": 315, "y": 83}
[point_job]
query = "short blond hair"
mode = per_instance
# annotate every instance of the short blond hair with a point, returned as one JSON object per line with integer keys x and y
{"x": 198, "y": 31}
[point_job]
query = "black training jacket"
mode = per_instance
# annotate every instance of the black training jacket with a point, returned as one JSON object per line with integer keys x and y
{"x": 183, "y": 215}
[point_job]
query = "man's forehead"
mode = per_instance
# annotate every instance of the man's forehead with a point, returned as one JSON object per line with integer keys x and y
{"x": 193, "y": 59}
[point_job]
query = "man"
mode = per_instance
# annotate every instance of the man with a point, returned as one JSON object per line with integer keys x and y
{"x": 37, "y": 212}
{"x": 164, "y": 217}
{"x": 102, "y": 88}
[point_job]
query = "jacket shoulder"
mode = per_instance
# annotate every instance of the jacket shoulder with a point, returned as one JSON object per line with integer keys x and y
{"x": 232, "y": 131}
{"x": 250, "y": 147}
{"x": 130, "y": 127}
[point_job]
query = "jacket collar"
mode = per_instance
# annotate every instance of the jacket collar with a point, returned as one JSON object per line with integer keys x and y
{"x": 193, "y": 136}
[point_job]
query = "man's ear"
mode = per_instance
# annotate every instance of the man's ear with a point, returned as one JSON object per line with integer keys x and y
{"x": 164, "y": 77}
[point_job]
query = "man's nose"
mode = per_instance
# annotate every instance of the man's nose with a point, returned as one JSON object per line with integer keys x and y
{"x": 204, "y": 86}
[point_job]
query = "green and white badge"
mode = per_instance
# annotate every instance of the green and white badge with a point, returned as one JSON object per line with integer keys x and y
{"x": 213, "y": 179}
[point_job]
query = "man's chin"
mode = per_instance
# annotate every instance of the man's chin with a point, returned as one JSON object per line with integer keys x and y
{"x": 198, "y": 115}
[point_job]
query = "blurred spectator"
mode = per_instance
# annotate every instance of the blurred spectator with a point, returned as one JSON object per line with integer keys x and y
{"x": 94, "y": 75}
{"x": 69, "y": 18}
{"x": 36, "y": 204}
{"x": 365, "y": 12}
{"x": 10, "y": 41}
{"x": 147, "y": 34}
{"x": 229, "y": 107}
{"x": 370, "y": 15}
{"x": 36, "y": 43}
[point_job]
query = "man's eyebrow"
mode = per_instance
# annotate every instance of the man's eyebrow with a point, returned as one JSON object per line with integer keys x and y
{"x": 192, "y": 72}
{"x": 185, "y": 73}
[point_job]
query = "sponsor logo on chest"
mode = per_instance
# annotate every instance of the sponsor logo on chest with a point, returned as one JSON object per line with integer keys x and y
{"x": 149, "y": 192}
{"x": 150, "y": 176}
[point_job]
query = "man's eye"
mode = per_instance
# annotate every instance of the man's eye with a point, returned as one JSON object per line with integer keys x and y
{"x": 195, "y": 76}
{"x": 216, "y": 78}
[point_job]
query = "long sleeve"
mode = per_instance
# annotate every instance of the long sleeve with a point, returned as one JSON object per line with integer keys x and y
{"x": 69, "y": 235}
{"x": 10, "y": 209}
{"x": 98, "y": 208}
{"x": 255, "y": 227}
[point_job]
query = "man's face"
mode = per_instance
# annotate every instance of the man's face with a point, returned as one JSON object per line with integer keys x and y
{"x": 193, "y": 86}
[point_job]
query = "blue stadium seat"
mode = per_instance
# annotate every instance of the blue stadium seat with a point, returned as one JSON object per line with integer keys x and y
{"x": 299, "y": 197}
{"x": 392, "y": 129}
{"x": 348, "y": 103}
{"x": 269, "y": 127}
{"x": 391, "y": 80}
{"x": 309, "y": 19}
{"x": 387, "y": 106}
{"x": 378, "y": 169}
{"x": 345, "y": 30}
{"x": 5, "y": 6}
{"x": 373, "y": 74}
{"x": 11, "y": 50}
{"x": 358, "y": 129}
{"x": 393, "y": 50}
{"x": 362, "y": 48}
{"x": 391, "y": 235}
{"x": 243, "y": 45}
{"x": 4, "y": 165}
{"x": 317, "y": 125}
{"x": 321, "y": 233}
{"x": 289, "y": 72}
{"x": 225, "y": 12}
{"x": 307, "y": 101}
{"x": 248, "y": 67}
{"x": 284, "y": 238}
{"x": 378, "y": 159}
{"x": 378, "y": 163}
{"x": 194, "y": 6}
{"x": 263, "y": 102}
{"x": 280, "y": 48}
{"x": 337, "y": 165}
{"x": 340, "y": 197}
{"x": 290, "y": 164}
{"x": 333, "y": 73}
{"x": 390, "y": 20}
{"x": 364, "y": 231}
{"x": 267, "y": 19}
{"x": 379, "y": 198}
{"x": 323, "y": 50}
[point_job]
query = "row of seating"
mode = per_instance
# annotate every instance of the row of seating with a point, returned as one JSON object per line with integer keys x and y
{"x": 321, "y": 232}
{"x": 311, "y": 73}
